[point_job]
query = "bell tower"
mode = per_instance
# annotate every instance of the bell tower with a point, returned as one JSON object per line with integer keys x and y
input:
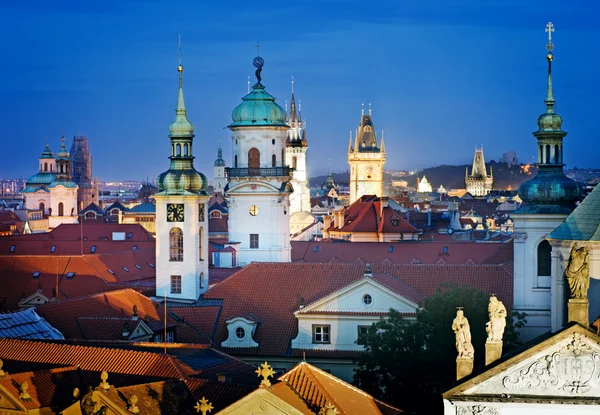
{"x": 181, "y": 215}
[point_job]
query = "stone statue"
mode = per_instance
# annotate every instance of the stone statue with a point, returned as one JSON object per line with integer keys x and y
{"x": 462, "y": 330}
{"x": 578, "y": 271}
{"x": 495, "y": 327}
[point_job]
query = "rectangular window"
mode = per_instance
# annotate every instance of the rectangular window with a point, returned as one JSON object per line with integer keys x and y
{"x": 321, "y": 334}
{"x": 170, "y": 336}
{"x": 253, "y": 241}
{"x": 362, "y": 331}
{"x": 175, "y": 284}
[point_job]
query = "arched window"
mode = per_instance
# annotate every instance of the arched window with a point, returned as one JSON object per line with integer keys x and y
{"x": 176, "y": 244}
{"x": 61, "y": 168}
{"x": 178, "y": 150}
{"x": 61, "y": 209}
{"x": 90, "y": 215}
{"x": 45, "y": 166}
{"x": 235, "y": 161}
{"x": 173, "y": 150}
{"x": 51, "y": 167}
{"x": 294, "y": 162}
{"x": 49, "y": 211}
{"x": 185, "y": 150}
{"x": 254, "y": 158}
{"x": 72, "y": 211}
{"x": 273, "y": 161}
{"x": 201, "y": 243}
{"x": 544, "y": 259}
{"x": 283, "y": 157}
{"x": 42, "y": 207}
{"x": 556, "y": 154}
{"x": 547, "y": 153}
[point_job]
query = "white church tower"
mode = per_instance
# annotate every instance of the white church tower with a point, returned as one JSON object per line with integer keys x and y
{"x": 181, "y": 219}
{"x": 219, "y": 181}
{"x": 366, "y": 160}
{"x": 259, "y": 185}
{"x": 548, "y": 199}
{"x": 295, "y": 154}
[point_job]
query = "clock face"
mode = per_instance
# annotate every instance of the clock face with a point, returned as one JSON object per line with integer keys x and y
{"x": 174, "y": 213}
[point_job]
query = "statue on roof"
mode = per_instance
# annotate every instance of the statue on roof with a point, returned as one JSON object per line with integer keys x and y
{"x": 495, "y": 327}
{"x": 578, "y": 271}
{"x": 462, "y": 330}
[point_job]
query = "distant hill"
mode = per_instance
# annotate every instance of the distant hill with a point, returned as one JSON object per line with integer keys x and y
{"x": 451, "y": 177}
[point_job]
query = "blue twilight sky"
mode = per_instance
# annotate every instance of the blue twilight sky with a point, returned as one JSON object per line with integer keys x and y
{"x": 442, "y": 76}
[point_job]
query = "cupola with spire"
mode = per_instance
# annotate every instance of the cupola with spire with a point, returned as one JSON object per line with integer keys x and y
{"x": 550, "y": 191}
{"x": 296, "y": 135}
{"x": 219, "y": 162}
{"x": 181, "y": 178}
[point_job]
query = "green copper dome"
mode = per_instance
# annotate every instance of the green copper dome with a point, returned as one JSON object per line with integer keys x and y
{"x": 181, "y": 182}
{"x": 550, "y": 187}
{"x": 62, "y": 154}
{"x": 42, "y": 178}
{"x": 47, "y": 153}
{"x": 258, "y": 109}
{"x": 549, "y": 122}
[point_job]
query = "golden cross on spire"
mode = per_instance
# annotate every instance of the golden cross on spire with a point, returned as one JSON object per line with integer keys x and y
{"x": 549, "y": 30}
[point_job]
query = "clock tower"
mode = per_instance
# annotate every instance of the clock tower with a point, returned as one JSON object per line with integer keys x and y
{"x": 366, "y": 159}
{"x": 259, "y": 188}
{"x": 181, "y": 216}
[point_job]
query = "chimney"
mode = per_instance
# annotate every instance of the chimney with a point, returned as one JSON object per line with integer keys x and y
{"x": 326, "y": 223}
{"x": 134, "y": 317}
{"x": 224, "y": 377}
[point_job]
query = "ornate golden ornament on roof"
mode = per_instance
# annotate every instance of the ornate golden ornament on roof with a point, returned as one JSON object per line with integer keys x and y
{"x": 24, "y": 395}
{"x": 104, "y": 384}
{"x": 2, "y": 374}
{"x": 203, "y": 406}
{"x": 265, "y": 371}
{"x": 133, "y": 399}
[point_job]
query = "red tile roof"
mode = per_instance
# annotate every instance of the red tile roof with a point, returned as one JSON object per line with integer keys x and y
{"x": 255, "y": 287}
{"x": 96, "y": 359}
{"x": 106, "y": 328}
{"x": 64, "y": 314}
{"x": 402, "y": 252}
{"x": 319, "y": 388}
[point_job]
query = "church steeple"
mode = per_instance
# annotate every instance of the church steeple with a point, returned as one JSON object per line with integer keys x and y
{"x": 550, "y": 187}
{"x": 296, "y": 135}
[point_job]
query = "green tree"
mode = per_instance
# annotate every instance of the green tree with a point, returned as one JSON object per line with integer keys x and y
{"x": 411, "y": 363}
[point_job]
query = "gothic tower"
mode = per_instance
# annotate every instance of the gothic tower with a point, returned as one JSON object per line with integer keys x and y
{"x": 219, "y": 181}
{"x": 366, "y": 160}
{"x": 81, "y": 171}
{"x": 478, "y": 183}
{"x": 181, "y": 219}
{"x": 259, "y": 185}
{"x": 295, "y": 154}
{"x": 548, "y": 199}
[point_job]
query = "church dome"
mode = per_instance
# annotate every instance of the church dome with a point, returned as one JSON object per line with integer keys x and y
{"x": 47, "y": 153}
{"x": 550, "y": 187}
{"x": 181, "y": 182}
{"x": 42, "y": 178}
{"x": 258, "y": 109}
{"x": 549, "y": 121}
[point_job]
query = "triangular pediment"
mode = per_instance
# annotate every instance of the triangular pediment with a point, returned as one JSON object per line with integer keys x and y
{"x": 352, "y": 299}
{"x": 562, "y": 367}
{"x": 252, "y": 187}
{"x": 267, "y": 402}
{"x": 33, "y": 300}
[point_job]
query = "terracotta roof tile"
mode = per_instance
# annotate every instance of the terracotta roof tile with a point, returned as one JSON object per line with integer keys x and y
{"x": 253, "y": 289}
{"x": 220, "y": 394}
{"x": 107, "y": 328}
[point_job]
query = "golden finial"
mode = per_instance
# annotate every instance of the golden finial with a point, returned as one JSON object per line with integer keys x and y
{"x": 328, "y": 409}
{"x": 1, "y": 371}
{"x": 104, "y": 377}
{"x": 76, "y": 393}
{"x": 24, "y": 395}
{"x": 133, "y": 399}
{"x": 265, "y": 371}
{"x": 203, "y": 406}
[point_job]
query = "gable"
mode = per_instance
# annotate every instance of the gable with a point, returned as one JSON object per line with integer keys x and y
{"x": 354, "y": 298}
{"x": 565, "y": 366}
{"x": 263, "y": 401}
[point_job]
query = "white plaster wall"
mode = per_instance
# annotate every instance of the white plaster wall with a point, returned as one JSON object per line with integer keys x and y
{"x": 271, "y": 224}
{"x": 191, "y": 269}
{"x": 220, "y": 181}
{"x": 261, "y": 138}
{"x": 68, "y": 197}
{"x": 532, "y": 294}
{"x": 32, "y": 200}
{"x": 300, "y": 198}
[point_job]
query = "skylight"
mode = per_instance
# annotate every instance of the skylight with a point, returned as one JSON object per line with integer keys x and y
{"x": 12, "y": 248}
{"x": 137, "y": 266}
{"x": 151, "y": 264}
{"x": 125, "y": 269}
{"x": 134, "y": 247}
{"x": 93, "y": 249}
{"x": 36, "y": 274}
{"x": 70, "y": 275}
{"x": 111, "y": 271}
{"x": 53, "y": 248}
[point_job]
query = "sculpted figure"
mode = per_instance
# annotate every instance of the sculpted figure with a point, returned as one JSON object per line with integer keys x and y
{"x": 578, "y": 271}
{"x": 462, "y": 330}
{"x": 495, "y": 327}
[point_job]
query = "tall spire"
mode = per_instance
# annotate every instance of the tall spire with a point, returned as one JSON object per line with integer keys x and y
{"x": 293, "y": 104}
{"x": 382, "y": 142}
{"x": 350, "y": 149}
{"x": 549, "y": 47}
{"x": 181, "y": 127}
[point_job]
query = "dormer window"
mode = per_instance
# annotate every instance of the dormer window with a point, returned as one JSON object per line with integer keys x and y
{"x": 240, "y": 333}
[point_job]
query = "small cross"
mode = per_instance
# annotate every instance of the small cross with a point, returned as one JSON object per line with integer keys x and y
{"x": 549, "y": 30}
{"x": 257, "y": 46}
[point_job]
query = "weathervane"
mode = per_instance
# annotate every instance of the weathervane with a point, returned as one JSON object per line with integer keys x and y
{"x": 549, "y": 30}
{"x": 258, "y": 63}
